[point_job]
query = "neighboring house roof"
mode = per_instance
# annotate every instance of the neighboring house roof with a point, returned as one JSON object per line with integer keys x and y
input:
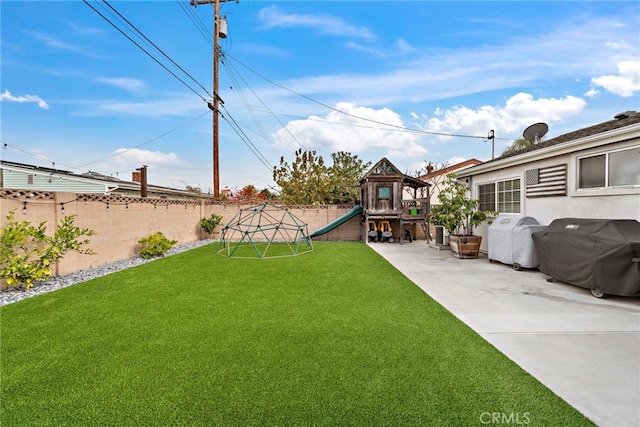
{"x": 106, "y": 183}
{"x": 622, "y": 124}
{"x": 452, "y": 168}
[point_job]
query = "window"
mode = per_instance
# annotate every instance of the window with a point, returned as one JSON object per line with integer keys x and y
{"x": 509, "y": 196}
{"x": 384, "y": 193}
{"x": 501, "y": 196}
{"x": 487, "y": 197}
{"x": 612, "y": 169}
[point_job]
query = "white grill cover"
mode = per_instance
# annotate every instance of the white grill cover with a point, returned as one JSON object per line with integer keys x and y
{"x": 510, "y": 240}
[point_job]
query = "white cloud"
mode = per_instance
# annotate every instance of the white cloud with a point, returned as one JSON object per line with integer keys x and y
{"x": 272, "y": 17}
{"x": 170, "y": 106}
{"x": 136, "y": 157}
{"x": 591, "y": 92}
{"x": 518, "y": 112}
{"x": 255, "y": 49}
{"x": 128, "y": 84}
{"x": 57, "y": 44}
{"x": 625, "y": 84}
{"x": 455, "y": 160}
{"x": 6, "y": 96}
{"x": 347, "y": 131}
{"x": 434, "y": 73}
{"x": 165, "y": 169}
{"x": 404, "y": 46}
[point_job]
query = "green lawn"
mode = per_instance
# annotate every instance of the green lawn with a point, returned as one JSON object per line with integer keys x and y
{"x": 334, "y": 337}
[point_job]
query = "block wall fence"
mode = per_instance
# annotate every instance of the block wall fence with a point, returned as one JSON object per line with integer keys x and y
{"x": 120, "y": 221}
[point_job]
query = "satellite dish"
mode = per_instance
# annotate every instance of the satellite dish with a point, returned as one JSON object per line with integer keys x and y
{"x": 535, "y": 132}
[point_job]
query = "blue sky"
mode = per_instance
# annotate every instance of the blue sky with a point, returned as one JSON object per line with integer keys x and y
{"x": 371, "y": 78}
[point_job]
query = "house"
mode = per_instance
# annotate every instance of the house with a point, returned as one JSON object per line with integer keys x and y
{"x": 383, "y": 188}
{"x": 592, "y": 172}
{"x": 437, "y": 177}
{"x": 20, "y": 176}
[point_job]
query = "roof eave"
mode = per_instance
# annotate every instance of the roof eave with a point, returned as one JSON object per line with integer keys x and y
{"x": 587, "y": 142}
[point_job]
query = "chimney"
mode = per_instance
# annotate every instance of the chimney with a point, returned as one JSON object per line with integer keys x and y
{"x": 142, "y": 179}
{"x": 135, "y": 176}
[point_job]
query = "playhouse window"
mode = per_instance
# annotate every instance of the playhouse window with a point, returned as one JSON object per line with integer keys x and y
{"x": 384, "y": 192}
{"x": 612, "y": 169}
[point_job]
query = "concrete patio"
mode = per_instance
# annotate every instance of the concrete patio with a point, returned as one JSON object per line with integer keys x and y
{"x": 585, "y": 349}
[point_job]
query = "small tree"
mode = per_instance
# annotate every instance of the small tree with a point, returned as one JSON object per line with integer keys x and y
{"x": 27, "y": 253}
{"x": 344, "y": 177}
{"x": 456, "y": 212}
{"x": 305, "y": 182}
{"x": 248, "y": 193}
{"x": 308, "y": 180}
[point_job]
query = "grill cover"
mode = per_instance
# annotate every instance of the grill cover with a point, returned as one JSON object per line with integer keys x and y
{"x": 599, "y": 254}
{"x": 510, "y": 240}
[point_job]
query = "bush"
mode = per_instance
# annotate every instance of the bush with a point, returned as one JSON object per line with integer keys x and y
{"x": 155, "y": 245}
{"x": 209, "y": 224}
{"x": 27, "y": 253}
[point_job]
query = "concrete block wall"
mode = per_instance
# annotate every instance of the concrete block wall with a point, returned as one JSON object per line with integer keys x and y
{"x": 119, "y": 222}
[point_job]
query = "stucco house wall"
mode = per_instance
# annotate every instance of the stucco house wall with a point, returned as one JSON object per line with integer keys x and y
{"x": 621, "y": 202}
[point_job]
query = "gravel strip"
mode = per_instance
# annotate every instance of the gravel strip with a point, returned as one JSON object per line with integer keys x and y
{"x": 18, "y": 293}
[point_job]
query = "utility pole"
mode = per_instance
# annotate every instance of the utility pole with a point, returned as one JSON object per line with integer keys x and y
{"x": 492, "y": 137}
{"x": 218, "y": 31}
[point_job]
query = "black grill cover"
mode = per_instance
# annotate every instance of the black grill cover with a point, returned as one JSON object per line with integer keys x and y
{"x": 599, "y": 254}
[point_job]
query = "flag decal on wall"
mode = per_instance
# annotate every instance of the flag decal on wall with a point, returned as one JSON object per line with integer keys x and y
{"x": 547, "y": 181}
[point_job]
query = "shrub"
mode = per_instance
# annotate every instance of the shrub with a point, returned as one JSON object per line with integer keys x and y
{"x": 155, "y": 245}
{"x": 209, "y": 224}
{"x": 27, "y": 253}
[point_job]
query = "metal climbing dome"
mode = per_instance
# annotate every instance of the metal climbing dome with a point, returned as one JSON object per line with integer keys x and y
{"x": 264, "y": 231}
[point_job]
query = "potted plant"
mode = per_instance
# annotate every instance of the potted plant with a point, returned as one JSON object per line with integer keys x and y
{"x": 458, "y": 214}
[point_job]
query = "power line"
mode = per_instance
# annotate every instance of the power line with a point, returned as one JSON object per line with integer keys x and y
{"x": 263, "y": 104}
{"x": 156, "y": 47}
{"x": 247, "y": 141}
{"x": 197, "y": 22}
{"x": 402, "y": 128}
{"x": 144, "y": 143}
{"x": 145, "y": 51}
{"x": 79, "y": 168}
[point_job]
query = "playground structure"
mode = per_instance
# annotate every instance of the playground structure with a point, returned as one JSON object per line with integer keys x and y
{"x": 264, "y": 231}
{"x": 386, "y": 215}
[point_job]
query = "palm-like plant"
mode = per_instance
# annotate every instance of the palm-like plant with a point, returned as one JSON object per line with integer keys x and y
{"x": 520, "y": 144}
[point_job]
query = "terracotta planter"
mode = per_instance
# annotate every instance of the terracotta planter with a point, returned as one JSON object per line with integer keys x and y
{"x": 465, "y": 247}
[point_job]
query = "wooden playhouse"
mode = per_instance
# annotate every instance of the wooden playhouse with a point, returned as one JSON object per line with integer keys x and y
{"x": 395, "y": 205}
